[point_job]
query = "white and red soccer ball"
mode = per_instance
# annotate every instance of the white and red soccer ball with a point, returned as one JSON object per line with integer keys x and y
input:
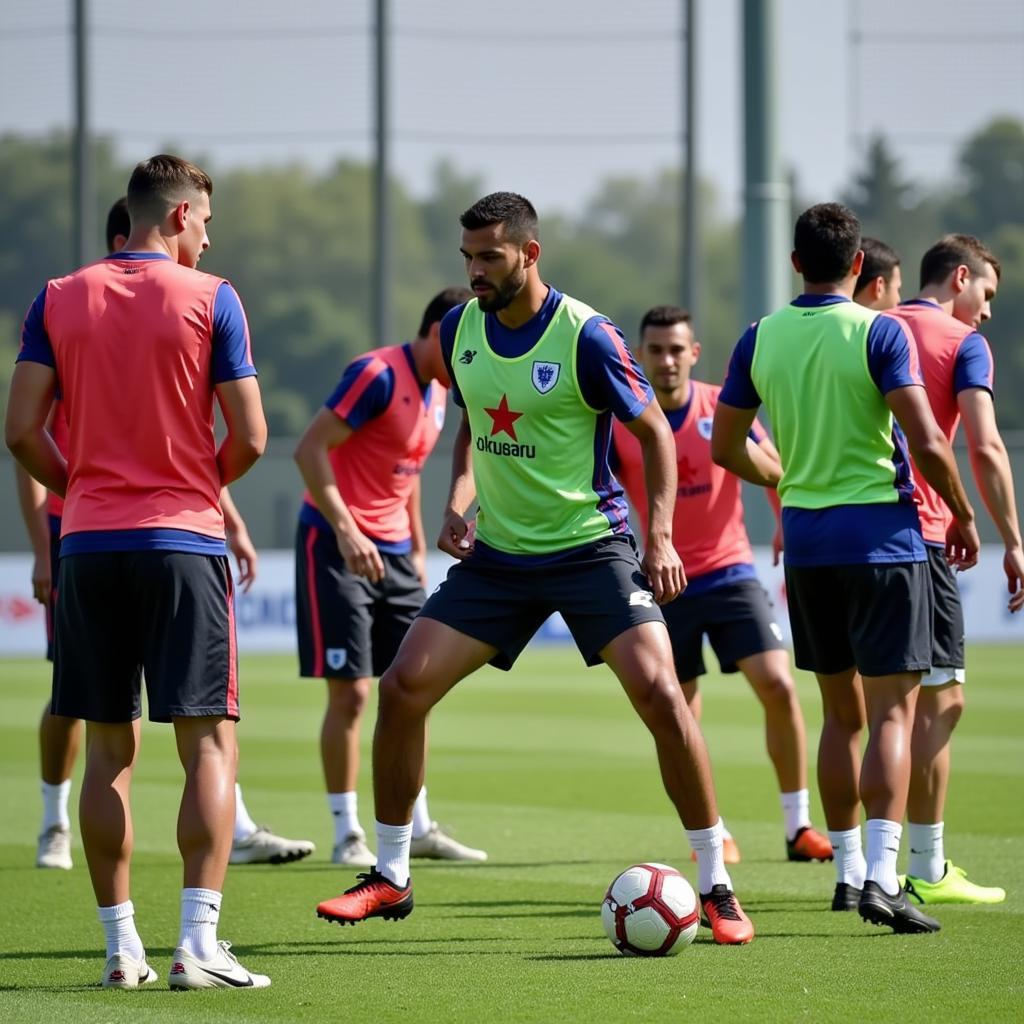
{"x": 650, "y": 910}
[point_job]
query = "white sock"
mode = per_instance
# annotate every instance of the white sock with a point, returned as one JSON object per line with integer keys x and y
{"x": 848, "y": 857}
{"x": 119, "y": 928}
{"x": 883, "y": 843}
{"x": 55, "y": 804}
{"x": 244, "y": 825}
{"x": 796, "y": 807}
{"x": 726, "y": 834}
{"x": 707, "y": 844}
{"x": 393, "y": 852}
{"x": 421, "y": 821}
{"x": 200, "y": 912}
{"x": 345, "y": 809}
{"x": 927, "y": 851}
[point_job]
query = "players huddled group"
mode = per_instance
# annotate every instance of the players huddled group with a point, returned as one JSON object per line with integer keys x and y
{"x": 123, "y": 488}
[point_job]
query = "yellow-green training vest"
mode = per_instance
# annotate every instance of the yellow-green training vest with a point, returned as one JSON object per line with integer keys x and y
{"x": 532, "y": 436}
{"x": 832, "y": 427}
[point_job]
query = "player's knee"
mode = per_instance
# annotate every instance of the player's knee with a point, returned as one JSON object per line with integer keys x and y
{"x": 777, "y": 690}
{"x": 846, "y": 716}
{"x": 400, "y": 693}
{"x": 347, "y": 699}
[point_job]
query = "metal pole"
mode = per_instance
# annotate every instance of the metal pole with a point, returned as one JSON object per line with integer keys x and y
{"x": 766, "y": 277}
{"x": 82, "y": 186}
{"x": 381, "y": 195}
{"x": 691, "y": 254}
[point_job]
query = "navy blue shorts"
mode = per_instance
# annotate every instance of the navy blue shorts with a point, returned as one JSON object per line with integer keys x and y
{"x": 168, "y": 613}
{"x": 51, "y": 606}
{"x": 948, "y": 624}
{"x": 348, "y": 627}
{"x": 599, "y": 589}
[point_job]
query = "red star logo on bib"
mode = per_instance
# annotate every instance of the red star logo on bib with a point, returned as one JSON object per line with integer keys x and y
{"x": 503, "y": 419}
{"x": 686, "y": 471}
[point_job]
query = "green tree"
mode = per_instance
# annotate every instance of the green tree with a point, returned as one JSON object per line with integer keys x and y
{"x": 991, "y": 163}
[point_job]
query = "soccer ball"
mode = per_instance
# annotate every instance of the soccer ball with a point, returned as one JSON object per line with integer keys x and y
{"x": 650, "y": 910}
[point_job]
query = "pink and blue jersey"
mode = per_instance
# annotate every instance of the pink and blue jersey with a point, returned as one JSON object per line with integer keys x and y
{"x": 139, "y": 344}
{"x": 954, "y": 357}
{"x": 707, "y": 524}
{"x": 395, "y": 421}
{"x": 609, "y": 381}
{"x": 846, "y": 533}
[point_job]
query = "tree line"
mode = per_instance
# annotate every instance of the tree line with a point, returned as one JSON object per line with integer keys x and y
{"x": 297, "y": 244}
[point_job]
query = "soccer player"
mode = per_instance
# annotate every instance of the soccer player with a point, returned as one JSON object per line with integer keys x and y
{"x": 959, "y": 279}
{"x": 539, "y": 376}
{"x": 59, "y": 736}
{"x": 832, "y": 375}
{"x": 723, "y": 597}
{"x": 360, "y": 558}
{"x": 880, "y": 281}
{"x": 143, "y": 344}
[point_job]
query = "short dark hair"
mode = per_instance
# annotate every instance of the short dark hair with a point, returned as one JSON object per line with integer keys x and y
{"x": 118, "y": 222}
{"x": 952, "y": 251}
{"x": 440, "y": 304}
{"x": 880, "y": 260}
{"x": 516, "y": 212}
{"x": 826, "y": 240}
{"x": 663, "y": 316}
{"x": 158, "y": 184}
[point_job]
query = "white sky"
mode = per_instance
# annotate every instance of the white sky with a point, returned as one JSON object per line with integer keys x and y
{"x": 547, "y": 97}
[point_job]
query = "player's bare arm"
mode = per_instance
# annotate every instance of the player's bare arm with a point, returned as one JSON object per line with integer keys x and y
{"x": 32, "y": 502}
{"x": 456, "y": 537}
{"x": 661, "y": 561}
{"x": 934, "y": 457}
{"x": 991, "y": 467}
{"x": 246, "y": 438}
{"x": 733, "y": 450}
{"x": 772, "y": 495}
{"x": 239, "y": 542}
{"x": 419, "y": 541}
{"x": 327, "y": 431}
{"x": 33, "y": 386}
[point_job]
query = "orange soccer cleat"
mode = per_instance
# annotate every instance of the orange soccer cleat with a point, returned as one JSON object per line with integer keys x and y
{"x": 729, "y": 925}
{"x": 808, "y": 844}
{"x": 373, "y": 896}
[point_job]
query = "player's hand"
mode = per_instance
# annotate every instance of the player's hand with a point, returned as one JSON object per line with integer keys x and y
{"x": 777, "y": 545}
{"x": 42, "y": 580}
{"x": 962, "y": 545}
{"x": 419, "y": 561}
{"x": 1013, "y": 566}
{"x": 361, "y": 556}
{"x": 665, "y": 571}
{"x": 246, "y": 558}
{"x": 457, "y": 536}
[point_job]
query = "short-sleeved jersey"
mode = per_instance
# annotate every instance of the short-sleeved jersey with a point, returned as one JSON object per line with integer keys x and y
{"x": 825, "y": 365}
{"x": 395, "y": 421}
{"x": 954, "y": 357}
{"x": 138, "y": 344}
{"x": 707, "y": 526}
{"x": 540, "y": 399}
{"x": 59, "y": 433}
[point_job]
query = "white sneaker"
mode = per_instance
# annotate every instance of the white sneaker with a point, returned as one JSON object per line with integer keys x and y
{"x": 438, "y": 845}
{"x": 263, "y": 847}
{"x": 354, "y": 852}
{"x": 220, "y": 971}
{"x": 124, "y": 971}
{"x": 54, "y": 849}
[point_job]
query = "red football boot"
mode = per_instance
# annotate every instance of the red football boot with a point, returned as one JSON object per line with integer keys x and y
{"x": 373, "y": 896}
{"x": 808, "y": 844}
{"x": 729, "y": 925}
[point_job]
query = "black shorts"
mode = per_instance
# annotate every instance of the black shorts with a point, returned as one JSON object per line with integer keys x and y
{"x": 51, "y": 606}
{"x": 948, "y": 623}
{"x": 737, "y": 618}
{"x": 168, "y": 613}
{"x": 877, "y": 617}
{"x": 599, "y": 589}
{"x": 348, "y": 627}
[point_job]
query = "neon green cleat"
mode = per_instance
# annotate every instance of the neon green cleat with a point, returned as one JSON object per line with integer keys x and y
{"x": 952, "y": 887}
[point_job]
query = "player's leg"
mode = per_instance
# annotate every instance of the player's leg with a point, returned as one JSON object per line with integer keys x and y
{"x": 96, "y": 677}
{"x": 59, "y": 742}
{"x": 257, "y": 844}
{"x": 191, "y": 672}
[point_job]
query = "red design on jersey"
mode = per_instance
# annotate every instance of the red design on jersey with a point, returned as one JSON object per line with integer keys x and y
{"x": 504, "y": 419}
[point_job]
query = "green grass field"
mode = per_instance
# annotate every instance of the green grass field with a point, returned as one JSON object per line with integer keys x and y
{"x": 547, "y": 769}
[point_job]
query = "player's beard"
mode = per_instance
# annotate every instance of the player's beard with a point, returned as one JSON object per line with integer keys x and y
{"x": 504, "y": 293}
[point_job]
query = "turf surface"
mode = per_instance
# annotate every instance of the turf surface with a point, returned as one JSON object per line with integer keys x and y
{"x": 547, "y": 769}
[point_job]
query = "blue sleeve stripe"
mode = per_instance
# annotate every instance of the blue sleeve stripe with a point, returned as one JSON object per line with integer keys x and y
{"x": 232, "y": 350}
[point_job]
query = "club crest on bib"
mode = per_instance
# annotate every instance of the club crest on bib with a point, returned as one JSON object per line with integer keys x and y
{"x": 545, "y": 375}
{"x": 336, "y": 657}
{"x": 704, "y": 427}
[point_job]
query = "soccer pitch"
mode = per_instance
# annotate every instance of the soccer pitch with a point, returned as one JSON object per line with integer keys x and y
{"x": 547, "y": 768}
